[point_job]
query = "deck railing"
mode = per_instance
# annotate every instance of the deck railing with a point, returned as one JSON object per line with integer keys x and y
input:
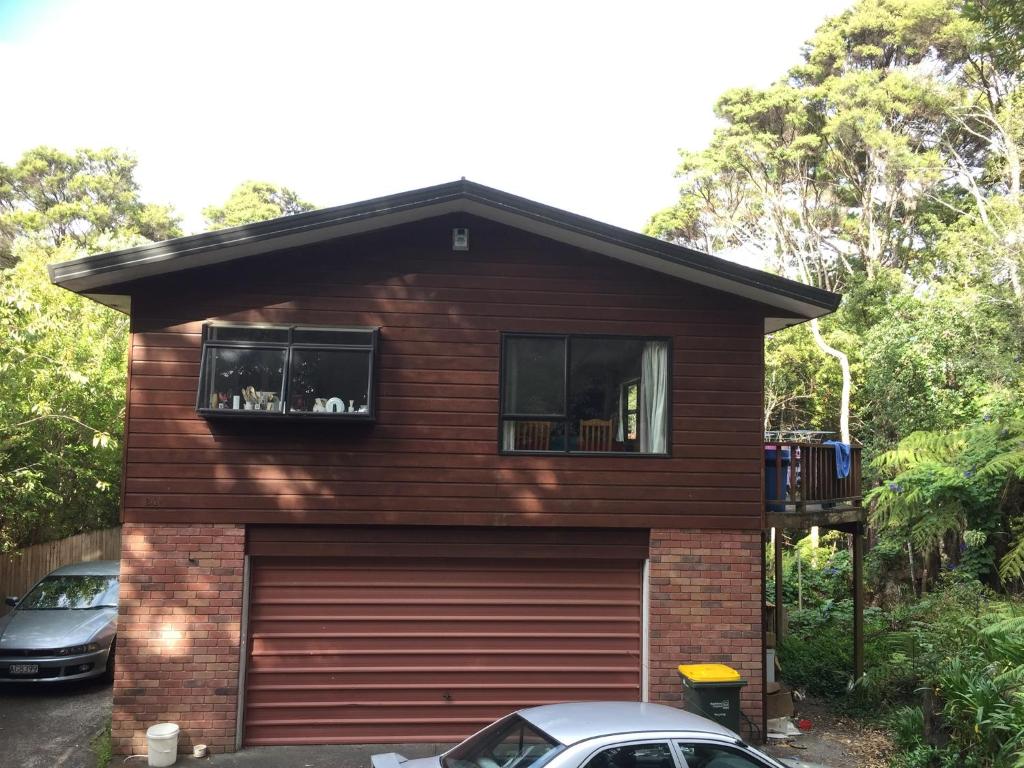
{"x": 801, "y": 476}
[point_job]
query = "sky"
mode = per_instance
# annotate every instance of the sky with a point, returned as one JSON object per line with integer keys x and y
{"x": 580, "y": 105}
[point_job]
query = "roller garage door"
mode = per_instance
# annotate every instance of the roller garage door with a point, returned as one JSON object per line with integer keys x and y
{"x": 371, "y": 636}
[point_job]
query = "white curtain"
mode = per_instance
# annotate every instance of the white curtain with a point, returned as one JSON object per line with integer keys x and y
{"x": 654, "y": 397}
{"x": 508, "y": 436}
{"x": 620, "y": 431}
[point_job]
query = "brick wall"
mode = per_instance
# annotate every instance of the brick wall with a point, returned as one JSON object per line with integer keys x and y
{"x": 178, "y": 634}
{"x": 706, "y": 607}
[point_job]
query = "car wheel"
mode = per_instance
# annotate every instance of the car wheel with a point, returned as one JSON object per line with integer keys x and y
{"x": 108, "y": 673}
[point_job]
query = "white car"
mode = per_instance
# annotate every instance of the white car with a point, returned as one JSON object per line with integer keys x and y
{"x": 603, "y": 734}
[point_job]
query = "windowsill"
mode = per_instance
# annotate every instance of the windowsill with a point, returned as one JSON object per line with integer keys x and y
{"x": 241, "y": 413}
{"x": 589, "y": 454}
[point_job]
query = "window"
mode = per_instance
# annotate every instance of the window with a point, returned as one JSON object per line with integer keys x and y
{"x": 699, "y": 755}
{"x": 250, "y": 370}
{"x": 509, "y": 743}
{"x": 584, "y": 394}
{"x": 655, "y": 755}
{"x": 72, "y": 593}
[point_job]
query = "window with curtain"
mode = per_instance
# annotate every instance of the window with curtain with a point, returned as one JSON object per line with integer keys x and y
{"x": 584, "y": 394}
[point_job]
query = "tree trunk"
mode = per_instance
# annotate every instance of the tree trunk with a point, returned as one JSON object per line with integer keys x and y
{"x": 844, "y": 364}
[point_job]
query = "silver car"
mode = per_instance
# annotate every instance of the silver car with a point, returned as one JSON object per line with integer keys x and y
{"x": 64, "y": 628}
{"x": 602, "y": 734}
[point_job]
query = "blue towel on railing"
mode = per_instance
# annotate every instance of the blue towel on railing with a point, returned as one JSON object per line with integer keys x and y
{"x": 842, "y": 457}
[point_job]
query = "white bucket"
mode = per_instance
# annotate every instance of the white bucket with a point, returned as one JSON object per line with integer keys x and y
{"x": 162, "y": 744}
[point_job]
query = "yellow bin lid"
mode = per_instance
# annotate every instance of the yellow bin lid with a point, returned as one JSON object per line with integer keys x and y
{"x": 709, "y": 673}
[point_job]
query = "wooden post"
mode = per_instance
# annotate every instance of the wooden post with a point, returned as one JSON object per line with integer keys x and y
{"x": 858, "y": 601}
{"x": 780, "y": 624}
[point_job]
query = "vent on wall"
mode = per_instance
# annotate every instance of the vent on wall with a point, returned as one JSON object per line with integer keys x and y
{"x": 460, "y": 239}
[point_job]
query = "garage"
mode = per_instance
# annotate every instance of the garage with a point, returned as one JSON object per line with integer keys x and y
{"x": 390, "y": 635}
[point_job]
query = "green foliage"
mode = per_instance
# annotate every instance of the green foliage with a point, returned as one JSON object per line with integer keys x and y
{"x": 103, "y": 747}
{"x": 254, "y": 201}
{"x": 965, "y": 483}
{"x": 960, "y": 643}
{"x": 75, "y": 199}
{"x": 62, "y": 388}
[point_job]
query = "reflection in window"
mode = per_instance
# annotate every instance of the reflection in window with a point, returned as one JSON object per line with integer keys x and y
{"x": 72, "y": 593}
{"x": 239, "y": 378}
{"x": 633, "y": 756}
{"x": 612, "y": 396}
{"x": 288, "y": 370}
{"x": 329, "y": 381}
{"x": 698, "y": 755}
{"x": 510, "y": 742}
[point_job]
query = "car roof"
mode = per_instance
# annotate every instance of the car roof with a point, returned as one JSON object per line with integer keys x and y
{"x": 91, "y": 568}
{"x": 578, "y": 721}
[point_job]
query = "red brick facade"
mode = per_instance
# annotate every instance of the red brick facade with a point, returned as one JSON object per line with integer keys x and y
{"x": 178, "y": 634}
{"x": 181, "y": 608}
{"x": 705, "y": 606}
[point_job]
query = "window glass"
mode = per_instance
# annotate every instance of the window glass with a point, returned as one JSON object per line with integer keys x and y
{"x": 633, "y": 756}
{"x": 509, "y": 743}
{"x": 618, "y": 394}
{"x": 534, "y": 376}
{"x": 714, "y": 756}
{"x": 248, "y": 333}
{"x": 72, "y": 593}
{"x": 329, "y": 381}
{"x": 533, "y": 435}
{"x": 243, "y": 379}
{"x": 332, "y": 336}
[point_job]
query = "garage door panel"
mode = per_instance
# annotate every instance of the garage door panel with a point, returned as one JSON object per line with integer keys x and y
{"x": 358, "y": 650}
{"x": 471, "y": 643}
{"x": 523, "y": 695}
{"x": 501, "y": 626}
{"x": 442, "y": 682}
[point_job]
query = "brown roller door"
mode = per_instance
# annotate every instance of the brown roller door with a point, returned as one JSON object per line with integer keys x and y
{"x": 377, "y": 649}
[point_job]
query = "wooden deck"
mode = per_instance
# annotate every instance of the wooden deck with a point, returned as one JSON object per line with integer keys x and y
{"x": 803, "y": 488}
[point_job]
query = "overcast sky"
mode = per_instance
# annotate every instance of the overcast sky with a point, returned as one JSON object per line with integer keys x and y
{"x": 578, "y": 105}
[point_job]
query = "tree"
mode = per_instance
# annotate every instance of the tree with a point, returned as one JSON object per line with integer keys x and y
{"x": 822, "y": 172}
{"x": 62, "y": 388}
{"x": 76, "y": 199}
{"x": 253, "y": 201}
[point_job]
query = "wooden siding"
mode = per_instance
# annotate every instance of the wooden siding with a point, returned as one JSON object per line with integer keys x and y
{"x": 432, "y": 457}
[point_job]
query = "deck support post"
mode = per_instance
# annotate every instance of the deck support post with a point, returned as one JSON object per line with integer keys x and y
{"x": 858, "y": 602}
{"x": 780, "y": 624}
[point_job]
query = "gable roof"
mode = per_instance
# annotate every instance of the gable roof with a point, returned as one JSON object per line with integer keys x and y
{"x": 98, "y": 276}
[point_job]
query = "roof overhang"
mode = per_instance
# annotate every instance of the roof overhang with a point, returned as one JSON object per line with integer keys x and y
{"x": 95, "y": 276}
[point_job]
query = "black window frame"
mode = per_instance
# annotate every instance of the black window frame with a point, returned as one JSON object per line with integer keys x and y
{"x": 564, "y": 417}
{"x": 288, "y": 346}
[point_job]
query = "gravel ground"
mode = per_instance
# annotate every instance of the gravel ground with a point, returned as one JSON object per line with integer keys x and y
{"x": 837, "y": 742}
{"x": 51, "y": 726}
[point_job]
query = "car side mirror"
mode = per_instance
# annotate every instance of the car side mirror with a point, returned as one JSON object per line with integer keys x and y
{"x": 12, "y": 601}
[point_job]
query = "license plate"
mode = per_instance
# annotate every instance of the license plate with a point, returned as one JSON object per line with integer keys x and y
{"x": 23, "y": 669}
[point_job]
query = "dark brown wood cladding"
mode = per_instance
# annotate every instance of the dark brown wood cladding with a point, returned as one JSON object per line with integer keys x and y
{"x": 403, "y": 649}
{"x": 432, "y": 457}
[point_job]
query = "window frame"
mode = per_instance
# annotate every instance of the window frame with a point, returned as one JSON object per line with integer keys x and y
{"x": 566, "y": 370}
{"x": 288, "y": 346}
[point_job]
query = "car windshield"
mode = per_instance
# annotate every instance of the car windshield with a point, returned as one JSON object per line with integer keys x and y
{"x": 509, "y": 743}
{"x": 72, "y": 592}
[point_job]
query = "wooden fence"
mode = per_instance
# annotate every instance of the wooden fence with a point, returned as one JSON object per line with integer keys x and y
{"x": 19, "y": 571}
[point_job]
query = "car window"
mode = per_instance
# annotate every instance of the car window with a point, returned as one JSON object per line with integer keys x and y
{"x": 650, "y": 755}
{"x": 699, "y": 755}
{"x": 508, "y": 743}
{"x": 72, "y": 592}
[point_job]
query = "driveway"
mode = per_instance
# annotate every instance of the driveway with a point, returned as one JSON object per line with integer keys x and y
{"x": 51, "y": 726}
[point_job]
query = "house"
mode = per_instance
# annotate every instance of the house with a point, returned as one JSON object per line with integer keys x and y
{"x": 398, "y": 467}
